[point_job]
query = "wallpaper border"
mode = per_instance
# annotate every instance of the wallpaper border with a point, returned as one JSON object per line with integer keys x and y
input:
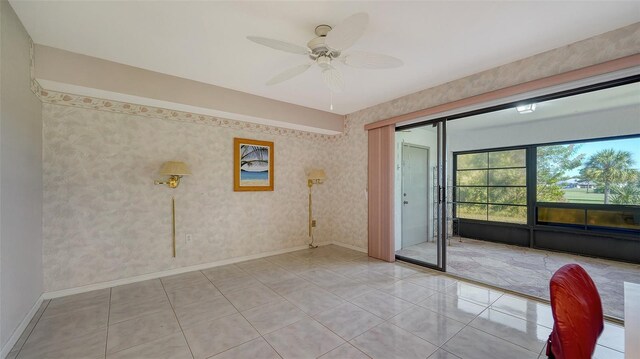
{"x": 93, "y": 103}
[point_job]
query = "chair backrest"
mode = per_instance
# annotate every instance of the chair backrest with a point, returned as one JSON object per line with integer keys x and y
{"x": 577, "y": 313}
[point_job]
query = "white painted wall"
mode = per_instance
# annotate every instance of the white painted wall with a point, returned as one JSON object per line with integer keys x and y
{"x": 422, "y": 137}
{"x": 20, "y": 179}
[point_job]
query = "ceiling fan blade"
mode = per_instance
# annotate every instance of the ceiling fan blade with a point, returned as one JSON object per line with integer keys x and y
{"x": 333, "y": 78}
{"x": 288, "y": 74}
{"x": 367, "y": 60}
{"x": 279, "y": 45}
{"x": 346, "y": 33}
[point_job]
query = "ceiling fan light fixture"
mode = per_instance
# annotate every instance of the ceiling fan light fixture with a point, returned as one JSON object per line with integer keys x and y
{"x": 324, "y": 62}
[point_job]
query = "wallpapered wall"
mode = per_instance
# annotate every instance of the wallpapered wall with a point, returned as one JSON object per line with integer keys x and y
{"x": 105, "y": 220}
{"x": 351, "y": 229}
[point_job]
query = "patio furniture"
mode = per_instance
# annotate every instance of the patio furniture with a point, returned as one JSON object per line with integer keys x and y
{"x": 577, "y": 314}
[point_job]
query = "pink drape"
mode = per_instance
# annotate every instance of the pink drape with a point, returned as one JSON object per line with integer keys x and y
{"x": 381, "y": 177}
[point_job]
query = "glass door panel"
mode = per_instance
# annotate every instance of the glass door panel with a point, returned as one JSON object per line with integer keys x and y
{"x": 419, "y": 196}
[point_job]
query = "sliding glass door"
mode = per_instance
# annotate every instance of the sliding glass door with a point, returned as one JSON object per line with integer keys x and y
{"x": 420, "y": 199}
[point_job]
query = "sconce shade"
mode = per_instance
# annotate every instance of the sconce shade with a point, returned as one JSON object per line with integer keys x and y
{"x": 316, "y": 174}
{"x": 174, "y": 168}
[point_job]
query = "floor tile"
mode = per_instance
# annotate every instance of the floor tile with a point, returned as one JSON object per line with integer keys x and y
{"x": 290, "y": 285}
{"x": 169, "y": 347}
{"x": 345, "y": 351}
{"x": 140, "y": 291}
{"x": 381, "y": 304}
{"x": 313, "y": 300}
{"x": 428, "y": 325}
{"x": 348, "y": 320}
{"x": 273, "y": 275}
{"x": 196, "y": 313}
{"x": 273, "y": 316}
{"x": 475, "y": 344}
{"x": 77, "y": 302}
{"x": 408, "y": 291}
{"x": 612, "y": 337}
{"x": 397, "y": 271}
{"x": 229, "y": 285}
{"x": 303, "y": 339}
{"x": 453, "y": 307}
{"x": 210, "y": 338}
{"x": 324, "y": 278}
{"x": 250, "y": 297}
{"x": 526, "y": 334}
{"x": 606, "y": 353}
{"x": 124, "y": 310}
{"x": 179, "y": 281}
{"x": 388, "y": 341}
{"x": 434, "y": 281}
{"x": 348, "y": 269}
{"x": 141, "y": 330}
{"x": 69, "y": 325}
{"x": 523, "y": 308}
{"x": 224, "y": 272}
{"x": 194, "y": 294}
{"x": 473, "y": 293}
{"x": 443, "y": 354}
{"x": 374, "y": 279}
{"x": 27, "y": 331}
{"x": 351, "y": 289}
{"x": 255, "y": 349}
{"x": 89, "y": 345}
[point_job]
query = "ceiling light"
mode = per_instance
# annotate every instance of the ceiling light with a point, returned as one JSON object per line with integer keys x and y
{"x": 528, "y": 108}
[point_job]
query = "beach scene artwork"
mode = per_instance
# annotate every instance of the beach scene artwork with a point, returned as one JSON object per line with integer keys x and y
{"x": 254, "y": 165}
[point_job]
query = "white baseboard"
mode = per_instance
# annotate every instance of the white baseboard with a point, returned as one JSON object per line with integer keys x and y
{"x": 154, "y": 275}
{"x": 20, "y": 329}
{"x": 363, "y": 250}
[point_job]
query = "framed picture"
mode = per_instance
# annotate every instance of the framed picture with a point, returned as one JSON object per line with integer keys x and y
{"x": 252, "y": 165}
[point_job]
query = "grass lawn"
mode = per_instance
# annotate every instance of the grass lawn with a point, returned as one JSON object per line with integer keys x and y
{"x": 580, "y": 195}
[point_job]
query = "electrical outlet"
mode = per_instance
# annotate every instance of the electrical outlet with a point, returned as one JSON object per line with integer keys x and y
{"x": 188, "y": 238}
{"x": 313, "y": 223}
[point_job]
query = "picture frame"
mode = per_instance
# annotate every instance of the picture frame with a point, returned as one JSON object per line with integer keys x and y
{"x": 252, "y": 165}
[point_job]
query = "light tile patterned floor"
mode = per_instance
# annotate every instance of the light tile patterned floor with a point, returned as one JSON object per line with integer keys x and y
{"x": 328, "y": 302}
{"x": 527, "y": 270}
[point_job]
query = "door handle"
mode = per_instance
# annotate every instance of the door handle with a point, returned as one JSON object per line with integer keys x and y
{"x": 406, "y": 202}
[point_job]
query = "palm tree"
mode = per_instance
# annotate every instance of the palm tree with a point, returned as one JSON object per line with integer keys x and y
{"x": 608, "y": 167}
{"x": 253, "y": 156}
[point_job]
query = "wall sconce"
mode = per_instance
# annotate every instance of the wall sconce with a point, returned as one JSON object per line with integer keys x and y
{"x": 315, "y": 176}
{"x": 175, "y": 170}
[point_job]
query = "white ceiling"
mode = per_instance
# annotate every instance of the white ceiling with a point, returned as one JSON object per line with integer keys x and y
{"x": 205, "y": 41}
{"x": 614, "y": 98}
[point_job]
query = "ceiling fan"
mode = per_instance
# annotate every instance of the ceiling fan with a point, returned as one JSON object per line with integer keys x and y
{"x": 327, "y": 48}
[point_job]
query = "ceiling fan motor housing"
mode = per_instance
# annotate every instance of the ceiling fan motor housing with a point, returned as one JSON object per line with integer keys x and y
{"x": 318, "y": 47}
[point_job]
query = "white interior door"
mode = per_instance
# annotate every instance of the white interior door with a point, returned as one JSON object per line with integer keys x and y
{"x": 415, "y": 194}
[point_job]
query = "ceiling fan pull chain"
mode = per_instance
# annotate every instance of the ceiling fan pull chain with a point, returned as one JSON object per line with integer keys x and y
{"x": 331, "y": 96}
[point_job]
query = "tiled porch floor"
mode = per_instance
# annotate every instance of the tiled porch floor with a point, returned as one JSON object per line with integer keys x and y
{"x": 528, "y": 270}
{"x": 328, "y": 302}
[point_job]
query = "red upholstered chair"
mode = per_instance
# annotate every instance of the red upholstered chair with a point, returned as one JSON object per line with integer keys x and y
{"x": 577, "y": 314}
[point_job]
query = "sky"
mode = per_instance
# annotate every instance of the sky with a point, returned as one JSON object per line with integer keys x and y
{"x": 629, "y": 144}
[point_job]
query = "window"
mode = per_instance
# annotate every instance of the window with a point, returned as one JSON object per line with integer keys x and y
{"x": 595, "y": 172}
{"x": 590, "y": 185}
{"x": 492, "y": 186}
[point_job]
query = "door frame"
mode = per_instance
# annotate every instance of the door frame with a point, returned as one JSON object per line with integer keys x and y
{"x": 402, "y": 212}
